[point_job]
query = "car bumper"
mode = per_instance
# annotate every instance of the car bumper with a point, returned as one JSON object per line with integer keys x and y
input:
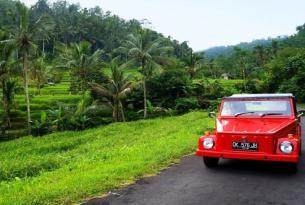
{"x": 248, "y": 155}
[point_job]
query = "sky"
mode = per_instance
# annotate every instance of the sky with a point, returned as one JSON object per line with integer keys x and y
{"x": 209, "y": 23}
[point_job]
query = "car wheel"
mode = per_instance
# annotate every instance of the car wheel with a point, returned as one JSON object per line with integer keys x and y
{"x": 210, "y": 162}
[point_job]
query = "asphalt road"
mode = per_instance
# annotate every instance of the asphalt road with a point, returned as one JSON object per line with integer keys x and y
{"x": 233, "y": 182}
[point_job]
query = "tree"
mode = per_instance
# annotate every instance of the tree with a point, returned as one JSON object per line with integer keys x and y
{"x": 212, "y": 68}
{"x": 114, "y": 91}
{"x": 260, "y": 55}
{"x": 275, "y": 47}
{"x": 8, "y": 86}
{"x": 8, "y": 96}
{"x": 81, "y": 62}
{"x": 241, "y": 63}
{"x": 193, "y": 63}
{"x": 27, "y": 35}
{"x": 40, "y": 72}
{"x": 147, "y": 53}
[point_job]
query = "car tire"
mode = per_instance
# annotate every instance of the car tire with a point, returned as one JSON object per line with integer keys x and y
{"x": 210, "y": 162}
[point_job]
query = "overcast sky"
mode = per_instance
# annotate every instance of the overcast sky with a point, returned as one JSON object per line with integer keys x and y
{"x": 209, "y": 23}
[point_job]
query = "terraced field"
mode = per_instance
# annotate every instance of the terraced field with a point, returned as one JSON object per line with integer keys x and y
{"x": 49, "y": 98}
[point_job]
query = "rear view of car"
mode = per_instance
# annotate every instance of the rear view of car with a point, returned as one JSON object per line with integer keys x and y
{"x": 254, "y": 127}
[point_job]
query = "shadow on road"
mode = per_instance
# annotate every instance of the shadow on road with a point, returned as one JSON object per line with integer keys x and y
{"x": 258, "y": 167}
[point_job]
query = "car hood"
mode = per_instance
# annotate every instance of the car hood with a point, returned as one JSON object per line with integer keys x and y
{"x": 252, "y": 125}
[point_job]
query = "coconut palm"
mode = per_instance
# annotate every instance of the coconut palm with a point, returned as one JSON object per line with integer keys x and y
{"x": 241, "y": 62}
{"x": 193, "y": 64}
{"x": 80, "y": 61}
{"x": 9, "y": 88}
{"x": 6, "y": 64}
{"x": 27, "y": 35}
{"x": 40, "y": 72}
{"x": 114, "y": 91}
{"x": 147, "y": 53}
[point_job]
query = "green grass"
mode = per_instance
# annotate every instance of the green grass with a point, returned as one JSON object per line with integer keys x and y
{"x": 65, "y": 168}
{"x": 57, "y": 89}
{"x": 225, "y": 83}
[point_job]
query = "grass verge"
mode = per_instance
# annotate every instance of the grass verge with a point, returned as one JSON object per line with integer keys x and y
{"x": 65, "y": 168}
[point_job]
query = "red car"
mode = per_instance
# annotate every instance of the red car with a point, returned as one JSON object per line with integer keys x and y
{"x": 254, "y": 127}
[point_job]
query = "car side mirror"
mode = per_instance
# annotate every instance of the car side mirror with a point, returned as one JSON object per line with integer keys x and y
{"x": 301, "y": 112}
{"x": 212, "y": 114}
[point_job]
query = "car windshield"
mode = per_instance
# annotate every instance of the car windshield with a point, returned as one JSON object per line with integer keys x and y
{"x": 256, "y": 107}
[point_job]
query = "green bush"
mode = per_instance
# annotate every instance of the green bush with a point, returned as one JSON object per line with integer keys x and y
{"x": 170, "y": 85}
{"x": 186, "y": 104}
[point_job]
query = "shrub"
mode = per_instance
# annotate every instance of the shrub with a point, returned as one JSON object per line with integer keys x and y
{"x": 41, "y": 126}
{"x": 185, "y": 104}
{"x": 169, "y": 86}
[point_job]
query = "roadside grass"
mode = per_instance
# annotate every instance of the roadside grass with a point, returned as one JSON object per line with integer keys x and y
{"x": 68, "y": 167}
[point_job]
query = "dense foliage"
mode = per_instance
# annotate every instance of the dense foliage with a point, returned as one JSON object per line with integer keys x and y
{"x": 278, "y": 64}
{"x": 71, "y": 49}
{"x": 63, "y": 67}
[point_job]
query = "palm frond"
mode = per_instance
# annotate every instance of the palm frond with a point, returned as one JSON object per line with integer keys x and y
{"x": 101, "y": 90}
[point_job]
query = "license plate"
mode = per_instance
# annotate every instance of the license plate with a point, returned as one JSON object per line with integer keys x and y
{"x": 251, "y": 146}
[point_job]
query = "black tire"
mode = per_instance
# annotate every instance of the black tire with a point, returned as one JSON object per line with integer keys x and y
{"x": 210, "y": 162}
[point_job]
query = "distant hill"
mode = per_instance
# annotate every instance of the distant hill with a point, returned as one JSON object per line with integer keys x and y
{"x": 227, "y": 50}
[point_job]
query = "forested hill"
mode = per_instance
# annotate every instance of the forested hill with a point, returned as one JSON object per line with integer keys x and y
{"x": 213, "y": 52}
{"x": 70, "y": 23}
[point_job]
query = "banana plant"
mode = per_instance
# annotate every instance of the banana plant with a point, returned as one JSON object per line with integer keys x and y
{"x": 41, "y": 126}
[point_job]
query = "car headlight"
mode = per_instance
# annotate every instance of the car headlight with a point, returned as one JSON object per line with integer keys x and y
{"x": 208, "y": 143}
{"x": 286, "y": 147}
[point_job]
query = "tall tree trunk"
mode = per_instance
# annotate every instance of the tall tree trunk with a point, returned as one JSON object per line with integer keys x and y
{"x": 43, "y": 45}
{"x": 113, "y": 114}
{"x": 53, "y": 51}
{"x": 145, "y": 97}
{"x": 117, "y": 105}
{"x": 122, "y": 111}
{"x": 26, "y": 89}
{"x": 5, "y": 105}
{"x": 244, "y": 76}
{"x": 84, "y": 84}
{"x": 143, "y": 63}
{"x": 115, "y": 110}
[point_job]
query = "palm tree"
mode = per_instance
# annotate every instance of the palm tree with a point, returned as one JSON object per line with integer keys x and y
{"x": 240, "y": 57}
{"x": 9, "y": 88}
{"x": 147, "y": 53}
{"x": 114, "y": 91}
{"x": 260, "y": 55}
{"x": 80, "y": 61}
{"x": 193, "y": 64}
{"x": 275, "y": 47}
{"x": 6, "y": 63}
{"x": 26, "y": 37}
{"x": 40, "y": 72}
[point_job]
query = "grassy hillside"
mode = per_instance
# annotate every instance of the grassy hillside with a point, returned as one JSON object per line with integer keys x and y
{"x": 68, "y": 167}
